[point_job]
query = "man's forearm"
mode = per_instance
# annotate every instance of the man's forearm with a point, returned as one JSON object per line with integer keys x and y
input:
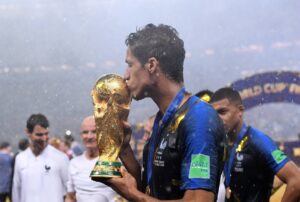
{"x": 189, "y": 196}
{"x": 131, "y": 164}
{"x": 292, "y": 193}
{"x": 70, "y": 197}
{"x": 290, "y": 174}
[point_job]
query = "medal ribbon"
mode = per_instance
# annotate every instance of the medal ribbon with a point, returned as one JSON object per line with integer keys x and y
{"x": 229, "y": 163}
{"x": 159, "y": 124}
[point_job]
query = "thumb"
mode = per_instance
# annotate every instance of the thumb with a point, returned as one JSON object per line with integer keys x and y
{"x": 123, "y": 171}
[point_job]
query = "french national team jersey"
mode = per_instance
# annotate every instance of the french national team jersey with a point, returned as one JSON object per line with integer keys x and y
{"x": 203, "y": 148}
{"x": 188, "y": 152}
{"x": 254, "y": 167}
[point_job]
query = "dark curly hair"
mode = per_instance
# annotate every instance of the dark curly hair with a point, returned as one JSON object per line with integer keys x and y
{"x": 161, "y": 42}
{"x": 37, "y": 119}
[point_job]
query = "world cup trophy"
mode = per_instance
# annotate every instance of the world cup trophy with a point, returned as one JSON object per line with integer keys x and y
{"x": 111, "y": 100}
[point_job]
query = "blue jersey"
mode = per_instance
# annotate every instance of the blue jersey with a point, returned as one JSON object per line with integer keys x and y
{"x": 255, "y": 163}
{"x": 5, "y": 172}
{"x": 188, "y": 152}
{"x": 203, "y": 143}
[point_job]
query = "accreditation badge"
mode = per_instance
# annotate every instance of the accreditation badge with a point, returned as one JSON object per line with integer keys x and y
{"x": 147, "y": 191}
{"x": 228, "y": 193}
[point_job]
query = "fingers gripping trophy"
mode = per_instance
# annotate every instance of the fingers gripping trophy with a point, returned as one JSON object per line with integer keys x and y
{"x": 111, "y": 100}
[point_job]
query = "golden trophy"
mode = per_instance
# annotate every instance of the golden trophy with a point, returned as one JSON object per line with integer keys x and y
{"x": 111, "y": 100}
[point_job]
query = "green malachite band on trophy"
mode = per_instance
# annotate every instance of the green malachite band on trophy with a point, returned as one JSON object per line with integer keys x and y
{"x": 106, "y": 169}
{"x": 105, "y": 173}
{"x": 106, "y": 163}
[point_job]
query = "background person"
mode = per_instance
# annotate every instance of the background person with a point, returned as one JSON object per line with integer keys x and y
{"x": 22, "y": 145}
{"x": 205, "y": 95}
{"x": 6, "y": 163}
{"x": 75, "y": 147}
{"x": 40, "y": 172}
{"x": 80, "y": 186}
{"x": 147, "y": 130}
{"x": 253, "y": 158}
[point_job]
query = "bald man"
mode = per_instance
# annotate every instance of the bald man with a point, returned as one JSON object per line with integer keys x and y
{"x": 80, "y": 187}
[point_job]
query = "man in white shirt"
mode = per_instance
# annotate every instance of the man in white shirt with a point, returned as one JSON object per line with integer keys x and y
{"x": 80, "y": 186}
{"x": 40, "y": 170}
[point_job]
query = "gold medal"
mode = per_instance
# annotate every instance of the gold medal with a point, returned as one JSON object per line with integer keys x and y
{"x": 228, "y": 193}
{"x": 148, "y": 190}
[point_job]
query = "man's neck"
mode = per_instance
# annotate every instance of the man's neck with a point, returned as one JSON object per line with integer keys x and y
{"x": 92, "y": 153}
{"x": 165, "y": 95}
{"x": 35, "y": 151}
{"x": 232, "y": 136}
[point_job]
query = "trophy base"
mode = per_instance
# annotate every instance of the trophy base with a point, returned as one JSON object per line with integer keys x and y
{"x": 105, "y": 169}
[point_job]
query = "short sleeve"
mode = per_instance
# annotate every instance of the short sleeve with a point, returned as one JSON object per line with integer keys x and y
{"x": 64, "y": 171}
{"x": 201, "y": 128}
{"x": 70, "y": 182}
{"x": 270, "y": 152}
{"x": 17, "y": 179}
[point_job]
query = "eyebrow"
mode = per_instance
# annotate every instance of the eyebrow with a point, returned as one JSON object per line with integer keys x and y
{"x": 86, "y": 131}
{"x": 41, "y": 134}
{"x": 222, "y": 110}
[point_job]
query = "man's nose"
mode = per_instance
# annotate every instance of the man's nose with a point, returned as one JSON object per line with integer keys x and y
{"x": 126, "y": 74}
{"x": 91, "y": 133}
{"x": 44, "y": 137}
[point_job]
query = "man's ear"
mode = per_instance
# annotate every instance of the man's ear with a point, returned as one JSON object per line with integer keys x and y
{"x": 241, "y": 109}
{"x": 27, "y": 132}
{"x": 152, "y": 65}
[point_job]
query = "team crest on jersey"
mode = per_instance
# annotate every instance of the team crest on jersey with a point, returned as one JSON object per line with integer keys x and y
{"x": 163, "y": 144}
{"x": 158, "y": 158}
{"x": 239, "y": 165}
{"x": 239, "y": 156}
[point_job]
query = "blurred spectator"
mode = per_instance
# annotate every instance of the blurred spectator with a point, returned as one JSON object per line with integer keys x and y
{"x": 80, "y": 186}
{"x": 147, "y": 130}
{"x": 23, "y": 145}
{"x": 205, "y": 95}
{"x": 66, "y": 148}
{"x": 5, "y": 171}
{"x": 148, "y": 127}
{"x": 55, "y": 142}
{"x": 74, "y": 145}
{"x": 40, "y": 170}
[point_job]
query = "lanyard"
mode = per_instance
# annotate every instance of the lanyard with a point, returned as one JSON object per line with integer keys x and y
{"x": 159, "y": 124}
{"x": 229, "y": 163}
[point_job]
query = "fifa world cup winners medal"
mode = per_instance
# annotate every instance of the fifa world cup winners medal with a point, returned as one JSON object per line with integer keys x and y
{"x": 111, "y": 100}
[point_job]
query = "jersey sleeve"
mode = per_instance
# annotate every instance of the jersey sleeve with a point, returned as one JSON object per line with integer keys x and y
{"x": 16, "y": 188}
{"x": 201, "y": 128}
{"x": 70, "y": 182}
{"x": 269, "y": 151}
{"x": 63, "y": 162}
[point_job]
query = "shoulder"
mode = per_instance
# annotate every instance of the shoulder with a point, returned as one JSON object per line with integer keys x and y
{"x": 268, "y": 149}
{"x": 200, "y": 109}
{"x": 23, "y": 154}
{"x": 259, "y": 138}
{"x": 23, "y": 158}
{"x": 202, "y": 114}
{"x": 55, "y": 153}
{"x": 6, "y": 157}
{"x": 264, "y": 144}
{"x": 77, "y": 160}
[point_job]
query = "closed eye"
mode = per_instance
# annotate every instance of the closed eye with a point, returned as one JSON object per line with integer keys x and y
{"x": 222, "y": 111}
